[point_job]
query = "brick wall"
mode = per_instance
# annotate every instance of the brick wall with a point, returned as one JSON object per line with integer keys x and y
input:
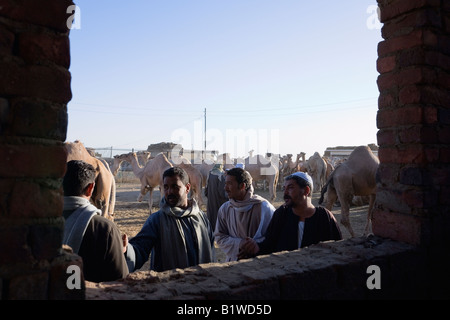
{"x": 413, "y": 118}
{"x": 413, "y": 179}
{"x": 34, "y": 91}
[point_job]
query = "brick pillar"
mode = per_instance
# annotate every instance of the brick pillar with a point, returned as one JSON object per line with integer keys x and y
{"x": 413, "y": 119}
{"x": 34, "y": 92}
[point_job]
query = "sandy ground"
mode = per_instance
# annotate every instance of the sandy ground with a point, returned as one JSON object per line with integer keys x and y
{"x": 130, "y": 214}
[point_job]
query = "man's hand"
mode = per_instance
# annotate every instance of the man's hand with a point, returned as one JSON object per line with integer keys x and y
{"x": 247, "y": 248}
{"x": 124, "y": 242}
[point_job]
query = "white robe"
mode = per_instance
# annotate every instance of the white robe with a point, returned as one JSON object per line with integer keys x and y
{"x": 255, "y": 212}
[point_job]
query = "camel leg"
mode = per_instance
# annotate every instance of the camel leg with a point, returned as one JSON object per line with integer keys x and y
{"x": 345, "y": 212}
{"x": 368, "y": 227}
{"x": 150, "y": 200}
{"x": 331, "y": 197}
{"x": 272, "y": 193}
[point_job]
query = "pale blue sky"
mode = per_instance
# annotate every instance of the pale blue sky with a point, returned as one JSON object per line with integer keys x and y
{"x": 282, "y": 76}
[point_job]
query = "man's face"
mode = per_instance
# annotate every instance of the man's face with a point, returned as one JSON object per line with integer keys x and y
{"x": 293, "y": 194}
{"x": 233, "y": 189}
{"x": 175, "y": 192}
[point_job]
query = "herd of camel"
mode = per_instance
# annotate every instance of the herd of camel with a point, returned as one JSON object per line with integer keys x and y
{"x": 353, "y": 177}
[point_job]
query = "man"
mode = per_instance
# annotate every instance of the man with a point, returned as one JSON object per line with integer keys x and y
{"x": 178, "y": 235}
{"x": 94, "y": 238}
{"x": 215, "y": 192}
{"x": 296, "y": 224}
{"x": 245, "y": 215}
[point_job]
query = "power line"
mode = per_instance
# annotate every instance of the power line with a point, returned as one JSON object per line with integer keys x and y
{"x": 254, "y": 112}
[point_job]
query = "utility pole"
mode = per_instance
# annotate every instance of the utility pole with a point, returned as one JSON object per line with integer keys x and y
{"x": 205, "y": 135}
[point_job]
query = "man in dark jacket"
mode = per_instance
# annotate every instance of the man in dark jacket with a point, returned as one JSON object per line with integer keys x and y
{"x": 215, "y": 192}
{"x": 297, "y": 223}
{"x": 94, "y": 238}
{"x": 178, "y": 235}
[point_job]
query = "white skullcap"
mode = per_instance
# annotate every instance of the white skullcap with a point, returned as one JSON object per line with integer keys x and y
{"x": 304, "y": 176}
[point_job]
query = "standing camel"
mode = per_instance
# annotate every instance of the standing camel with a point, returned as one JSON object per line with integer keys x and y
{"x": 150, "y": 175}
{"x": 142, "y": 157}
{"x": 356, "y": 176}
{"x": 317, "y": 169}
{"x": 104, "y": 194}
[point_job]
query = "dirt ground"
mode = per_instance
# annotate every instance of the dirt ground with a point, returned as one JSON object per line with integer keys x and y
{"x": 130, "y": 214}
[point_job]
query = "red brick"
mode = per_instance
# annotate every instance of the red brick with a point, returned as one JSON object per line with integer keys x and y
{"x": 31, "y": 200}
{"x": 13, "y": 241}
{"x": 407, "y": 154}
{"x": 435, "y": 96}
{"x": 387, "y": 100}
{"x": 430, "y": 115}
{"x": 388, "y": 174}
{"x": 395, "y": 44}
{"x": 45, "y": 239}
{"x": 444, "y": 135}
{"x": 52, "y": 122}
{"x": 388, "y": 118}
{"x": 44, "y": 82}
{"x": 37, "y": 47}
{"x": 410, "y": 95}
{"x": 418, "y": 134}
{"x": 443, "y": 196}
{"x": 411, "y": 20}
{"x": 397, "y": 226}
{"x": 444, "y": 155}
{"x": 431, "y": 154}
{"x": 393, "y": 9}
{"x": 48, "y": 13}
{"x": 6, "y": 41}
{"x": 387, "y": 137}
{"x": 410, "y": 57}
{"x": 32, "y": 161}
{"x": 437, "y": 59}
{"x": 31, "y": 286}
{"x": 386, "y": 64}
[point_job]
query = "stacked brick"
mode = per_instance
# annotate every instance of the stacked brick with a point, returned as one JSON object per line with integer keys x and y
{"x": 414, "y": 122}
{"x": 34, "y": 92}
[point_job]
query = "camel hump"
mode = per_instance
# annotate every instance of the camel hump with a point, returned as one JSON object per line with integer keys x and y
{"x": 362, "y": 152}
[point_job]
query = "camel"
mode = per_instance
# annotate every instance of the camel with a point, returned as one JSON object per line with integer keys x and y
{"x": 205, "y": 167}
{"x": 104, "y": 195}
{"x": 316, "y": 168}
{"x": 290, "y": 166}
{"x": 262, "y": 168}
{"x": 150, "y": 175}
{"x": 330, "y": 167}
{"x": 356, "y": 176}
{"x": 143, "y": 157}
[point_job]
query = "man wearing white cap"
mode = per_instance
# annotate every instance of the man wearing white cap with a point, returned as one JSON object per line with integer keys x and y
{"x": 297, "y": 223}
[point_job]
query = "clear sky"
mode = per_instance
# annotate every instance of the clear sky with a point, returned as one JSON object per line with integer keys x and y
{"x": 281, "y": 76}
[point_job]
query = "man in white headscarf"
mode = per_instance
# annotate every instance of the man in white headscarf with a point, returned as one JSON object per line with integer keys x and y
{"x": 245, "y": 215}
